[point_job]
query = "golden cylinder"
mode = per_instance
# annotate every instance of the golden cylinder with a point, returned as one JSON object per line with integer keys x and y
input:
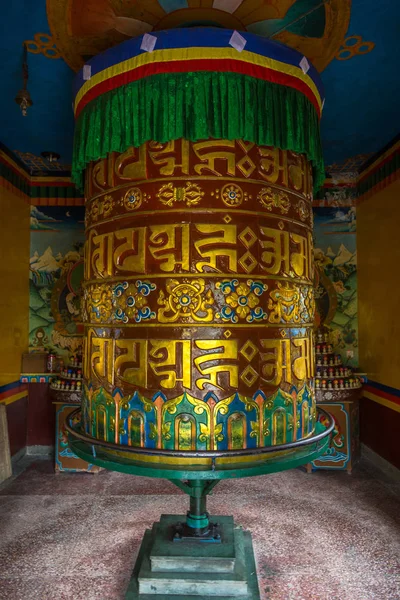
{"x": 198, "y": 297}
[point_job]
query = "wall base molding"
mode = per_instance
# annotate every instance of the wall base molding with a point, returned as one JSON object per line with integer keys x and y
{"x": 5, "y": 457}
{"x": 380, "y": 462}
{"x": 40, "y": 450}
{"x": 17, "y": 456}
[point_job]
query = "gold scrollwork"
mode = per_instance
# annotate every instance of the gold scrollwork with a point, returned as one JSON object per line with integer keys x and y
{"x": 353, "y": 45}
{"x": 133, "y": 198}
{"x": 43, "y": 43}
{"x": 270, "y": 199}
{"x": 130, "y": 301}
{"x": 122, "y": 302}
{"x": 307, "y": 293}
{"x": 242, "y": 300}
{"x": 302, "y": 210}
{"x": 190, "y": 195}
{"x": 98, "y": 303}
{"x": 186, "y": 299}
{"x": 232, "y": 195}
{"x": 285, "y": 304}
{"x": 100, "y": 207}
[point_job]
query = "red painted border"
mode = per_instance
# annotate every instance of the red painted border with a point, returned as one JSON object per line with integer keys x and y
{"x": 13, "y": 391}
{"x": 220, "y": 65}
{"x": 382, "y": 394}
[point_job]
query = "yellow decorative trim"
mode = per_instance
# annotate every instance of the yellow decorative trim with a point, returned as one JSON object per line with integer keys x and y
{"x": 382, "y": 401}
{"x": 168, "y": 460}
{"x": 206, "y": 275}
{"x": 14, "y": 398}
{"x": 138, "y": 182}
{"x": 50, "y": 178}
{"x": 191, "y": 326}
{"x": 252, "y": 213}
{"x": 187, "y": 54}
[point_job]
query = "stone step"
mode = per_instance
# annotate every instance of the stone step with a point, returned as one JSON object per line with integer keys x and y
{"x": 201, "y": 557}
{"x": 176, "y": 590}
{"x": 200, "y": 584}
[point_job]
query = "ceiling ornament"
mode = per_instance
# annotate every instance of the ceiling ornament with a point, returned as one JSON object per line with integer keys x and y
{"x": 23, "y": 98}
{"x": 353, "y": 46}
{"x": 43, "y": 43}
{"x": 84, "y": 29}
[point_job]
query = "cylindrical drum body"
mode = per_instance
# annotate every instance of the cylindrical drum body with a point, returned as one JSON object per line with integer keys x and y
{"x": 198, "y": 297}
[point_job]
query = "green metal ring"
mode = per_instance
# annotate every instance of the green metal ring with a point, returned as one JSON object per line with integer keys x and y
{"x": 197, "y": 522}
{"x": 275, "y": 458}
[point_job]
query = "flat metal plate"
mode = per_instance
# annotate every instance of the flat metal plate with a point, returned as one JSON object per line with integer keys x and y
{"x": 208, "y": 558}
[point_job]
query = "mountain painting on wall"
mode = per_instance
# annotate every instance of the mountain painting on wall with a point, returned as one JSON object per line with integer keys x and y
{"x": 56, "y": 270}
{"x": 336, "y": 277}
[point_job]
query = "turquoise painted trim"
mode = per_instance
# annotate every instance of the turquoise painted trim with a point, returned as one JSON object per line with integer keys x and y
{"x": 56, "y": 453}
{"x": 332, "y": 467}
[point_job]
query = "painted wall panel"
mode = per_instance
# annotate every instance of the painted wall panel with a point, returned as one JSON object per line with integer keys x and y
{"x": 14, "y": 299}
{"x": 41, "y": 416}
{"x": 379, "y": 429}
{"x": 335, "y": 256}
{"x": 379, "y": 286}
{"x": 56, "y": 270}
{"x": 17, "y": 419}
{"x": 379, "y": 301}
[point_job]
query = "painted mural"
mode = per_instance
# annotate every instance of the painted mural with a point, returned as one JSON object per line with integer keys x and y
{"x": 56, "y": 271}
{"x": 336, "y": 277}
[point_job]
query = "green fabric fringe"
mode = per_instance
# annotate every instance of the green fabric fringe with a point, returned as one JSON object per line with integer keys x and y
{"x": 197, "y": 106}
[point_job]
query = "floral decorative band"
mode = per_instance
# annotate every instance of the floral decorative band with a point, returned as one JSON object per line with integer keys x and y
{"x": 199, "y": 301}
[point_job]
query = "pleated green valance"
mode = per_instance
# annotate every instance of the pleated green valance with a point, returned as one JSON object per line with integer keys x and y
{"x": 262, "y": 94}
{"x": 197, "y": 106}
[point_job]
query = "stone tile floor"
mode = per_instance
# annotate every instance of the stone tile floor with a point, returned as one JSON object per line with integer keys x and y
{"x": 323, "y": 536}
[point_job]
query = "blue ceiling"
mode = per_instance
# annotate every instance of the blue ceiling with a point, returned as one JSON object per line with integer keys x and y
{"x": 49, "y": 123}
{"x": 352, "y": 44}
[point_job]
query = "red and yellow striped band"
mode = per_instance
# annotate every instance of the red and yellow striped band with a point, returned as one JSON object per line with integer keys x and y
{"x": 185, "y": 60}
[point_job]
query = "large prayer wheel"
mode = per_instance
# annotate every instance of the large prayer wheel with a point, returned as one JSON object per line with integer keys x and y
{"x": 198, "y": 296}
{"x": 200, "y": 151}
{"x": 200, "y": 158}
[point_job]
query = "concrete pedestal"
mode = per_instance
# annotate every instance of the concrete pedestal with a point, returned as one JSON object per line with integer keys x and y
{"x": 194, "y": 570}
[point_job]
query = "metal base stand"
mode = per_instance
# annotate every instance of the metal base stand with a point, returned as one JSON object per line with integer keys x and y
{"x": 211, "y": 560}
{"x": 191, "y": 558}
